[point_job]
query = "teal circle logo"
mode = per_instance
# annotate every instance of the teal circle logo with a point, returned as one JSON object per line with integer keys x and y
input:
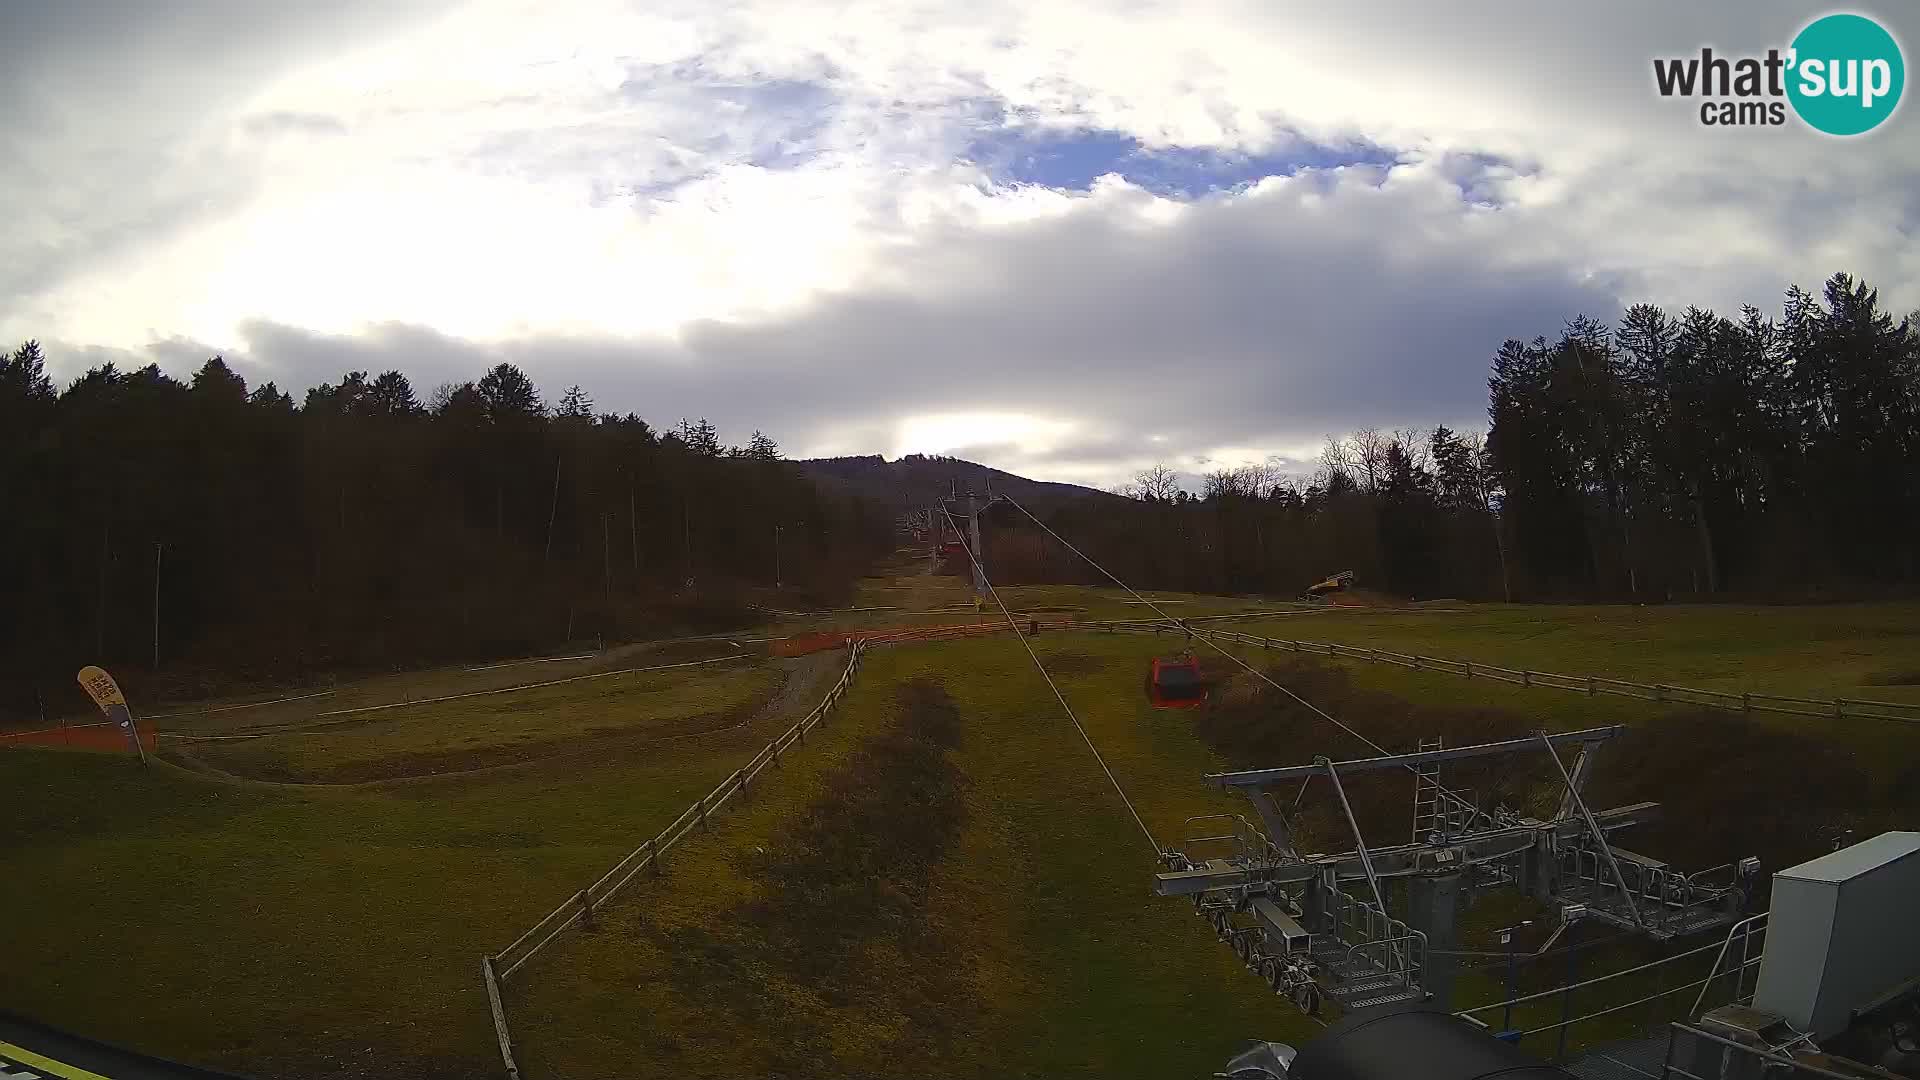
{"x": 1845, "y": 74}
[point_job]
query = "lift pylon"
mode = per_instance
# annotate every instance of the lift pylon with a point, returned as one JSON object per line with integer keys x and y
{"x": 1327, "y": 921}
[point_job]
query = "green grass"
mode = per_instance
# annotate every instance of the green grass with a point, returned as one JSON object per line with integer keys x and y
{"x": 264, "y": 710}
{"x": 1079, "y": 969}
{"x": 319, "y": 932}
{"x": 307, "y": 932}
{"x": 478, "y": 732}
{"x": 1848, "y": 650}
{"x": 1815, "y": 652}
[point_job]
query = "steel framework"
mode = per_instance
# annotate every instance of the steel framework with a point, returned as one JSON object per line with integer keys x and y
{"x": 1318, "y": 926}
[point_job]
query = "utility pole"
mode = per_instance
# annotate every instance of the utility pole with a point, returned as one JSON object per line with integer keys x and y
{"x": 100, "y": 601}
{"x": 978, "y": 568}
{"x": 973, "y": 529}
{"x": 776, "y": 556}
{"x": 553, "y": 511}
{"x": 156, "y": 604}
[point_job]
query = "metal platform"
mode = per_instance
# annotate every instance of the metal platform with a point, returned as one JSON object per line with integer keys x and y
{"x": 1317, "y": 927}
{"x": 1640, "y": 1058}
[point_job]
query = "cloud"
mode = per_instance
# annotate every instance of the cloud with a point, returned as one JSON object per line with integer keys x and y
{"x": 1235, "y": 226}
{"x": 293, "y": 123}
{"x": 1265, "y": 320}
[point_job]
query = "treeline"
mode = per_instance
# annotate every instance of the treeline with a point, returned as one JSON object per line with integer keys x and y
{"x": 1715, "y": 455}
{"x": 169, "y": 530}
{"x": 1694, "y": 456}
{"x": 1413, "y": 512}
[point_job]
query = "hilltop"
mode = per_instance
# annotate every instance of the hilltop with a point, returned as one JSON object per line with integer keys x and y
{"x": 917, "y": 479}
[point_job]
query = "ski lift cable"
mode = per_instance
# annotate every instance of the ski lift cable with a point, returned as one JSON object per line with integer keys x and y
{"x": 1215, "y": 646}
{"x": 1051, "y": 685}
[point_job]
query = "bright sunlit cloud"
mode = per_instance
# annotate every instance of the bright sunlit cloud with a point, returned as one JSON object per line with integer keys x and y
{"x": 1186, "y": 230}
{"x": 941, "y": 433}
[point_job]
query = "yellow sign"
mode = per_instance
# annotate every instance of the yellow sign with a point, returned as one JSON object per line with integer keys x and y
{"x": 11, "y": 1055}
{"x": 101, "y": 688}
{"x": 106, "y": 693}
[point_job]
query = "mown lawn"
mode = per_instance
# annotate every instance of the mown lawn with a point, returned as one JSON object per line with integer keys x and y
{"x": 298, "y": 705}
{"x": 1856, "y": 651}
{"x": 301, "y": 932}
{"x": 477, "y": 732}
{"x": 336, "y": 933}
{"x": 1078, "y": 970}
{"x": 1843, "y": 650}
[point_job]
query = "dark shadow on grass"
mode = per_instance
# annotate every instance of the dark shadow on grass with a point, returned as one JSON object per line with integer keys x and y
{"x": 843, "y": 928}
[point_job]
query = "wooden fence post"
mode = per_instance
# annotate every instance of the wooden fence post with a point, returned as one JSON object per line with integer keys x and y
{"x": 1589, "y": 686}
{"x": 499, "y": 1017}
{"x": 1746, "y": 703}
{"x": 1469, "y": 668}
{"x": 1526, "y": 677}
{"x": 701, "y": 808}
{"x": 586, "y": 910}
{"x": 653, "y": 857}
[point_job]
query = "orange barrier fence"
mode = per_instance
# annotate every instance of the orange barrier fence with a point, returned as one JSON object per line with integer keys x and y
{"x": 100, "y": 735}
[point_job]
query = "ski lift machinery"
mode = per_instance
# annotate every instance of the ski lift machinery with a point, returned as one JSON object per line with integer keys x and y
{"x": 1318, "y": 927}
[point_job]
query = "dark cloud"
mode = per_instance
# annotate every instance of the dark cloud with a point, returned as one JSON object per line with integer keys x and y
{"x": 1266, "y": 320}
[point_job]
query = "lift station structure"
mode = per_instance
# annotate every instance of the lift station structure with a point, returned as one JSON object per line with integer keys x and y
{"x": 1319, "y": 926}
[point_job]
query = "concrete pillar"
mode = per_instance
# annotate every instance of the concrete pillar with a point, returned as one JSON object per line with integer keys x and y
{"x": 1433, "y": 903}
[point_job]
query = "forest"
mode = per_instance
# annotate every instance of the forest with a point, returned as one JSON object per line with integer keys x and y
{"x": 200, "y": 536}
{"x": 1697, "y": 457}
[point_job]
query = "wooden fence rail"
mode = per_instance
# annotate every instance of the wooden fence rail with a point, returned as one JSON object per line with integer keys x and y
{"x": 1897, "y": 712}
{"x": 498, "y": 967}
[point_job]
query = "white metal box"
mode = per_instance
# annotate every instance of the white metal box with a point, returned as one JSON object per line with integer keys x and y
{"x": 1844, "y": 930}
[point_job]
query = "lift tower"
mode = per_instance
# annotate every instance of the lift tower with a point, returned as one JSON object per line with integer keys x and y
{"x": 1320, "y": 926}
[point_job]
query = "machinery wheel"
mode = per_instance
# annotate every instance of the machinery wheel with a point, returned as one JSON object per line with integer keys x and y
{"x": 1306, "y": 997}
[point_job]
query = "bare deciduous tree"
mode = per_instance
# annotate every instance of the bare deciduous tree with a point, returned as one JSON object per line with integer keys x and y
{"x": 1370, "y": 456}
{"x": 1159, "y": 483}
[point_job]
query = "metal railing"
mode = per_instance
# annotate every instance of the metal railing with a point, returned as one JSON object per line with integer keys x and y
{"x": 1395, "y": 948}
{"x": 1667, "y": 888}
{"x": 497, "y": 967}
{"x": 1727, "y": 976}
{"x": 1897, "y": 712}
{"x": 1246, "y": 844}
{"x": 1715, "y": 1057}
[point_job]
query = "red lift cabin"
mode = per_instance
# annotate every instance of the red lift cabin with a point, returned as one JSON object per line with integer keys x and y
{"x": 953, "y": 558}
{"x": 1175, "y": 682}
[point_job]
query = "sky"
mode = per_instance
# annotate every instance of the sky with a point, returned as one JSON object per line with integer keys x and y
{"x": 1070, "y": 240}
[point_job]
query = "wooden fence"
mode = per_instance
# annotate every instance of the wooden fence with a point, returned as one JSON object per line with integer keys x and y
{"x": 497, "y": 967}
{"x": 1590, "y": 685}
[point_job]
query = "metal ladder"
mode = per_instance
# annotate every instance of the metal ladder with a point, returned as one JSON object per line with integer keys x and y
{"x": 1426, "y": 793}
